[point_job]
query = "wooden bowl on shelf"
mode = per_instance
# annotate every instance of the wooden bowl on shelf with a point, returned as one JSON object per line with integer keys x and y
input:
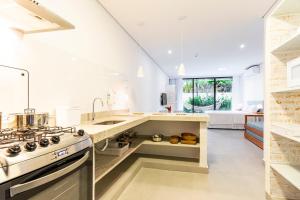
{"x": 188, "y": 136}
{"x": 174, "y": 139}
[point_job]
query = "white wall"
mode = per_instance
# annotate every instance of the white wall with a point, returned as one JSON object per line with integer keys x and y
{"x": 179, "y": 92}
{"x": 74, "y": 66}
{"x": 253, "y": 87}
{"x": 237, "y": 92}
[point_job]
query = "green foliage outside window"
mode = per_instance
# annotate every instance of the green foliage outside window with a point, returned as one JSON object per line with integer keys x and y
{"x": 203, "y": 90}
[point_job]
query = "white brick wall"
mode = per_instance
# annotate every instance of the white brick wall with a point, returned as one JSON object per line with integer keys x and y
{"x": 284, "y": 107}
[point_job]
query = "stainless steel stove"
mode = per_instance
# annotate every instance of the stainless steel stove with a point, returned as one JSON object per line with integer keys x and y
{"x": 34, "y": 160}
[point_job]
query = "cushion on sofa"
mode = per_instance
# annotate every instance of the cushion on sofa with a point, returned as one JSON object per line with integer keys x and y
{"x": 255, "y": 136}
{"x": 256, "y": 125}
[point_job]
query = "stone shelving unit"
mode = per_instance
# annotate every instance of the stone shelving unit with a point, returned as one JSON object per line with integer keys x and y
{"x": 282, "y": 104}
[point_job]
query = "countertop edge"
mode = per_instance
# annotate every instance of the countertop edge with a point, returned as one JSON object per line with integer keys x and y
{"x": 110, "y": 131}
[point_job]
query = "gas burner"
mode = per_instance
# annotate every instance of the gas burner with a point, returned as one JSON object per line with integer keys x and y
{"x": 70, "y": 130}
{"x": 31, "y": 138}
{"x": 23, "y": 130}
{"x": 7, "y": 130}
{"x": 7, "y": 136}
{"x": 4, "y": 133}
{"x": 29, "y": 135}
{"x": 59, "y": 131}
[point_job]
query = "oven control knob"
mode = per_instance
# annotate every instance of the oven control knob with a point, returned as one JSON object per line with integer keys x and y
{"x": 80, "y": 132}
{"x": 14, "y": 150}
{"x": 44, "y": 142}
{"x": 30, "y": 146}
{"x": 55, "y": 139}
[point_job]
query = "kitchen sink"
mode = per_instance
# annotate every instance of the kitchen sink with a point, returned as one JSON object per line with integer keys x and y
{"x": 112, "y": 122}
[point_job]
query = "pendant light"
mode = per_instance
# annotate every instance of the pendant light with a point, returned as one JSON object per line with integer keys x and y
{"x": 140, "y": 72}
{"x": 181, "y": 68}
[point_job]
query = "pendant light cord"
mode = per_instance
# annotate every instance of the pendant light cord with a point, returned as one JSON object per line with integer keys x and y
{"x": 181, "y": 53}
{"x": 181, "y": 69}
{"x": 181, "y": 43}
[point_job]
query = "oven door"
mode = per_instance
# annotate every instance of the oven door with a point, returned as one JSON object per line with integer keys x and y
{"x": 70, "y": 178}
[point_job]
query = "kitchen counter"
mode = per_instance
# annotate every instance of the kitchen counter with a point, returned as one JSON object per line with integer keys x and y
{"x": 146, "y": 125}
{"x": 101, "y": 132}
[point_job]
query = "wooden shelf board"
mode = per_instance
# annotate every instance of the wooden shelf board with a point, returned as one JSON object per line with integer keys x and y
{"x": 290, "y": 172}
{"x": 167, "y": 143}
{"x": 289, "y": 131}
{"x": 291, "y": 44}
{"x": 285, "y": 90}
{"x": 104, "y": 163}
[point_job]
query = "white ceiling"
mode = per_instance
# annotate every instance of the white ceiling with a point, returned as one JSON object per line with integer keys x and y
{"x": 213, "y": 29}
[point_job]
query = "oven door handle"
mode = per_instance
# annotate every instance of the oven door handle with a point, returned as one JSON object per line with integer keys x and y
{"x": 19, "y": 188}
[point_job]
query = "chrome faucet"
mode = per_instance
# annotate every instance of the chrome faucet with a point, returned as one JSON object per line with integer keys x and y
{"x": 102, "y": 103}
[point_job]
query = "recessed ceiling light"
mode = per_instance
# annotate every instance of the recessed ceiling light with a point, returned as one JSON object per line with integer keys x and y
{"x": 115, "y": 74}
{"x": 221, "y": 68}
{"x": 242, "y": 46}
{"x": 170, "y": 52}
{"x": 182, "y": 18}
{"x": 141, "y": 23}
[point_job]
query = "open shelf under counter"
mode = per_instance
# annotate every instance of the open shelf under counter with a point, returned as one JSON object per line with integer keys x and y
{"x": 165, "y": 148}
{"x": 289, "y": 131}
{"x": 290, "y": 172}
{"x": 106, "y": 163}
{"x": 291, "y": 44}
{"x": 286, "y": 90}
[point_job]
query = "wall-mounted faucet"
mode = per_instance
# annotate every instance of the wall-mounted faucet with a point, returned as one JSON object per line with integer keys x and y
{"x": 102, "y": 103}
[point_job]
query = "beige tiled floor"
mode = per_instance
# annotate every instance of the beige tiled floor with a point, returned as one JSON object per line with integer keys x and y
{"x": 236, "y": 173}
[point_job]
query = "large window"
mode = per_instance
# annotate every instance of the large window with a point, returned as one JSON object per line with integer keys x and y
{"x": 202, "y": 94}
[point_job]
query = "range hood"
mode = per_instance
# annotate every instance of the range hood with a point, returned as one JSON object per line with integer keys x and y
{"x": 29, "y": 16}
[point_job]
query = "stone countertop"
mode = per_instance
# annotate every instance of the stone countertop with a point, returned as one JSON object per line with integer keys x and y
{"x": 101, "y": 132}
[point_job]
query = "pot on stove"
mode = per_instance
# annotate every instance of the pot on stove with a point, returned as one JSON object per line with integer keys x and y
{"x": 30, "y": 119}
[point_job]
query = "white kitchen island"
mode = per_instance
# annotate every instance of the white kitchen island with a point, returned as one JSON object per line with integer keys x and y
{"x": 144, "y": 152}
